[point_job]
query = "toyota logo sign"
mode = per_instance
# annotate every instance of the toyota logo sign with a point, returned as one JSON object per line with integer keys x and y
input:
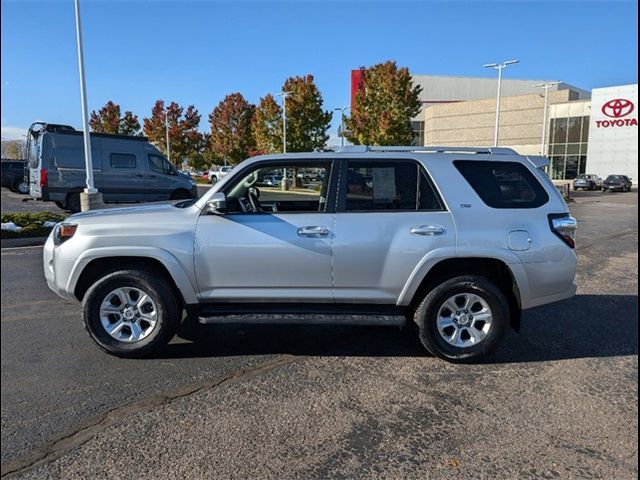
{"x": 619, "y": 107}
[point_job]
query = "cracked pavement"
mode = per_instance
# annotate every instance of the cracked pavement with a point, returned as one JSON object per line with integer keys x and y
{"x": 558, "y": 400}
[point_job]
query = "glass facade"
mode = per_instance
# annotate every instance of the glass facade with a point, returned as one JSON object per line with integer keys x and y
{"x": 568, "y": 146}
{"x": 418, "y": 133}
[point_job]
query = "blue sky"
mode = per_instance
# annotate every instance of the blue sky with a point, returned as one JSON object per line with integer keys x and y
{"x": 197, "y": 52}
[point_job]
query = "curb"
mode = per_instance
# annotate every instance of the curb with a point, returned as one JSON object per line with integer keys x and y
{"x": 22, "y": 242}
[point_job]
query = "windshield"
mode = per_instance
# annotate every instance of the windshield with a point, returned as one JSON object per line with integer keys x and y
{"x": 614, "y": 177}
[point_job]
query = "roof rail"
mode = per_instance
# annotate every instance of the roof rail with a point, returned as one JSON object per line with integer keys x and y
{"x": 428, "y": 149}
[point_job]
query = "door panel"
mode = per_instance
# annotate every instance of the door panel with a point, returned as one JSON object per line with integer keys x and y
{"x": 264, "y": 257}
{"x": 374, "y": 253}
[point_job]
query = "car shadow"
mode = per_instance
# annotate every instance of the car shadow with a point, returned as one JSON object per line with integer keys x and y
{"x": 582, "y": 327}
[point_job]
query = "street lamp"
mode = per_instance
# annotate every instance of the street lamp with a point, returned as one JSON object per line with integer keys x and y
{"x": 341, "y": 110}
{"x": 284, "y": 96}
{"x": 499, "y": 67}
{"x": 546, "y": 86}
{"x": 166, "y": 128}
{"x": 90, "y": 193}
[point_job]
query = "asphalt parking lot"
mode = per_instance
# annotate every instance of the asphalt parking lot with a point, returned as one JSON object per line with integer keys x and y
{"x": 557, "y": 400}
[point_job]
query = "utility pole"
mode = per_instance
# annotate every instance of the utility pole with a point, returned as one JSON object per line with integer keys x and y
{"x": 90, "y": 198}
{"x": 499, "y": 67}
{"x": 546, "y": 86}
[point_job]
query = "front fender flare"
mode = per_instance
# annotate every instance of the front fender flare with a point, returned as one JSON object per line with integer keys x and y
{"x": 168, "y": 260}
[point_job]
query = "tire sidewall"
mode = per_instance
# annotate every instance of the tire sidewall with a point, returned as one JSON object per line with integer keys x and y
{"x": 162, "y": 296}
{"x": 427, "y": 320}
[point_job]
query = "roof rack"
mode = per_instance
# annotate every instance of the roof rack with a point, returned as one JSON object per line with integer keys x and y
{"x": 369, "y": 148}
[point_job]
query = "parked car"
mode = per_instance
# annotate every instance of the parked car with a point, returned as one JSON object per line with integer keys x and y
{"x": 125, "y": 169}
{"x": 587, "y": 182}
{"x": 219, "y": 174}
{"x": 435, "y": 240}
{"x": 617, "y": 183}
{"x": 272, "y": 180}
{"x": 14, "y": 176}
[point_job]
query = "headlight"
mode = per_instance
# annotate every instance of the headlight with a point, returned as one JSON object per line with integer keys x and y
{"x": 193, "y": 182}
{"x": 63, "y": 232}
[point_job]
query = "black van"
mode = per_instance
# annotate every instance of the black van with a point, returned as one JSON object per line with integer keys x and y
{"x": 125, "y": 169}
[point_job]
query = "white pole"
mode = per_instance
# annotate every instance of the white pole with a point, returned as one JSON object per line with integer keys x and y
{"x": 497, "y": 129}
{"x": 284, "y": 122}
{"x": 85, "y": 115}
{"x": 166, "y": 127}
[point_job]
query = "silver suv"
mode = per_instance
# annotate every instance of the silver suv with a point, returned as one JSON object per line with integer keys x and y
{"x": 456, "y": 240}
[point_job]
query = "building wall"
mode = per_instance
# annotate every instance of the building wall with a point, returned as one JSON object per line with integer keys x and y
{"x": 613, "y": 136}
{"x": 473, "y": 123}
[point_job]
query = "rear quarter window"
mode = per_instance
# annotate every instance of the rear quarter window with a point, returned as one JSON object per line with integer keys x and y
{"x": 503, "y": 184}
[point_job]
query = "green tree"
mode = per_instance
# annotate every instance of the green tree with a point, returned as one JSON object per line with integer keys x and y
{"x": 231, "y": 134}
{"x": 384, "y": 104}
{"x": 108, "y": 120}
{"x": 267, "y": 126}
{"x": 307, "y": 123}
{"x": 184, "y": 137}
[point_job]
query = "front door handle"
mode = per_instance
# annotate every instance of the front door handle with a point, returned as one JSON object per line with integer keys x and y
{"x": 428, "y": 230}
{"x": 313, "y": 231}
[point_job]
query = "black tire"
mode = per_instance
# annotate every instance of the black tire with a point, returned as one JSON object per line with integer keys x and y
{"x": 180, "y": 195}
{"x": 73, "y": 202}
{"x": 425, "y": 317}
{"x": 60, "y": 204}
{"x": 166, "y": 302}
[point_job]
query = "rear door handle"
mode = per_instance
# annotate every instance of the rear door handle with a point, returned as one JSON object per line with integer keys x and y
{"x": 313, "y": 231}
{"x": 428, "y": 230}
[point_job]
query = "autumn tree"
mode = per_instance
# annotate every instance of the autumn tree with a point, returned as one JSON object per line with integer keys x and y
{"x": 231, "y": 134}
{"x": 13, "y": 150}
{"x": 108, "y": 120}
{"x": 385, "y": 102}
{"x": 267, "y": 126}
{"x": 184, "y": 137}
{"x": 307, "y": 122}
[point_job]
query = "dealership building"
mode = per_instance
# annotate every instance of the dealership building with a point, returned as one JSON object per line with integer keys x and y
{"x": 586, "y": 131}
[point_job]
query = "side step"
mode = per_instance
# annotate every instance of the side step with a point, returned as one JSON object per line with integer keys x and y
{"x": 306, "y": 314}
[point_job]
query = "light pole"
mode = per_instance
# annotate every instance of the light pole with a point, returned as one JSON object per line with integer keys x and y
{"x": 91, "y": 197}
{"x": 546, "y": 86}
{"x": 341, "y": 110}
{"x": 166, "y": 128}
{"x": 284, "y": 96}
{"x": 499, "y": 67}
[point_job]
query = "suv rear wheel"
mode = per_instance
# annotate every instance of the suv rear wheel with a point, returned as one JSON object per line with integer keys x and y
{"x": 131, "y": 313}
{"x": 463, "y": 318}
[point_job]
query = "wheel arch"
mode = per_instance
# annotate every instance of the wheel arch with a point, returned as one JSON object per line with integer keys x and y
{"x": 494, "y": 269}
{"x": 94, "y": 266}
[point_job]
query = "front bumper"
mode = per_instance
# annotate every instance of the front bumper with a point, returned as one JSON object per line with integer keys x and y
{"x": 56, "y": 270}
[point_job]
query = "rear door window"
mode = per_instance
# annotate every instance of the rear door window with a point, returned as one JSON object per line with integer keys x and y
{"x": 503, "y": 184}
{"x": 394, "y": 185}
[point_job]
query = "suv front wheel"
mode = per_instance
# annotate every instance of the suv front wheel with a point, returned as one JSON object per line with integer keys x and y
{"x": 131, "y": 313}
{"x": 463, "y": 318}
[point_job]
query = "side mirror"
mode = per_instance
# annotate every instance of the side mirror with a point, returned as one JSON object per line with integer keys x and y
{"x": 217, "y": 204}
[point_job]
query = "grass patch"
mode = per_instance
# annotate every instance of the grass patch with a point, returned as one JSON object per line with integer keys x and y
{"x": 31, "y": 223}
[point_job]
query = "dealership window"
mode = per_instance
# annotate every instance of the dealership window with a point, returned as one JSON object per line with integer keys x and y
{"x": 418, "y": 133}
{"x": 568, "y": 146}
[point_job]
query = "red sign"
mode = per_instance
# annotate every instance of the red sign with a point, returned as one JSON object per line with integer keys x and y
{"x": 616, "y": 109}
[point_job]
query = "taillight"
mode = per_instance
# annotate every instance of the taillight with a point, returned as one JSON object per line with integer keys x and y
{"x": 43, "y": 177}
{"x": 564, "y": 226}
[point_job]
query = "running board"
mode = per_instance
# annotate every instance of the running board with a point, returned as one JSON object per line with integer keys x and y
{"x": 306, "y": 319}
{"x": 306, "y": 314}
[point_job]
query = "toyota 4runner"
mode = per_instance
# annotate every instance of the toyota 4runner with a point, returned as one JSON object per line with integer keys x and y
{"x": 457, "y": 241}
